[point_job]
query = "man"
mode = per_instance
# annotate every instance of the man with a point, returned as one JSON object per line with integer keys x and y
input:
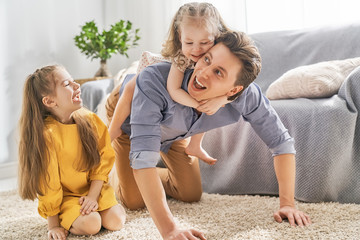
{"x": 158, "y": 127}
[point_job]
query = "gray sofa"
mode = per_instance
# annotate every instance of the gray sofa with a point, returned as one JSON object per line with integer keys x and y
{"x": 326, "y": 130}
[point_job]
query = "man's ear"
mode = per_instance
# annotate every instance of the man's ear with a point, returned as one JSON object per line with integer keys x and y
{"x": 234, "y": 90}
{"x": 48, "y": 102}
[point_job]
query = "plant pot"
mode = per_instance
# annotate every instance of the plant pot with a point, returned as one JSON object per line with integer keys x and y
{"x": 104, "y": 70}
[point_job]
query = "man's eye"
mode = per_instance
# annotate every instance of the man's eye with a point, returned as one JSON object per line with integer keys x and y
{"x": 204, "y": 43}
{"x": 218, "y": 72}
{"x": 188, "y": 43}
{"x": 66, "y": 83}
{"x": 206, "y": 59}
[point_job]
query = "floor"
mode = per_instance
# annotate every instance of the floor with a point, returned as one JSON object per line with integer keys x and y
{"x": 8, "y": 184}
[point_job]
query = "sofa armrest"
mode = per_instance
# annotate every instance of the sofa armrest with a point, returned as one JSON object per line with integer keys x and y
{"x": 93, "y": 92}
{"x": 350, "y": 91}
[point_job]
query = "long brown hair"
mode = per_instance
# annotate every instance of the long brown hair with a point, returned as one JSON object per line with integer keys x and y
{"x": 204, "y": 12}
{"x": 33, "y": 151}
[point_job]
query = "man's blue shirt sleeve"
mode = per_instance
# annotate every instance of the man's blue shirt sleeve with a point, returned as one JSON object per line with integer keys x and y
{"x": 266, "y": 122}
{"x": 144, "y": 159}
{"x": 146, "y": 115}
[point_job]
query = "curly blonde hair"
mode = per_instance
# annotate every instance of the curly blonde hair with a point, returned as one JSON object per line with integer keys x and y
{"x": 206, "y": 15}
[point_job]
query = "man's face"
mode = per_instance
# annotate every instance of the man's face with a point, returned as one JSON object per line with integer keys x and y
{"x": 215, "y": 74}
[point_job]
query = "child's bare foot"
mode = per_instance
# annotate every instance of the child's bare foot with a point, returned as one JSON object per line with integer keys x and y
{"x": 201, "y": 154}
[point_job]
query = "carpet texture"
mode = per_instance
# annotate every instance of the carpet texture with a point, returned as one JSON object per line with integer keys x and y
{"x": 220, "y": 217}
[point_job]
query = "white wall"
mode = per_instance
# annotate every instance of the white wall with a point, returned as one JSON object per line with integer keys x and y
{"x": 274, "y": 15}
{"x": 4, "y": 108}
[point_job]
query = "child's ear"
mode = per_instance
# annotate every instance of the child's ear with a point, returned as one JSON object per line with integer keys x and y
{"x": 48, "y": 102}
{"x": 234, "y": 90}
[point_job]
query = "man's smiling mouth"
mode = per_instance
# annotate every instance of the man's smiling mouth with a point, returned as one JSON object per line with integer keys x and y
{"x": 198, "y": 85}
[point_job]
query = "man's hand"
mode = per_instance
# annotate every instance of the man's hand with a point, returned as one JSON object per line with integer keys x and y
{"x": 191, "y": 234}
{"x": 294, "y": 216}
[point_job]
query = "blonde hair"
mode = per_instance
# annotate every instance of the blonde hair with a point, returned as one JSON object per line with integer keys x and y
{"x": 33, "y": 151}
{"x": 207, "y": 15}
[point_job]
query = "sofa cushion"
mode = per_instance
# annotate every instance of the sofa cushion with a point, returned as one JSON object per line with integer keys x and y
{"x": 318, "y": 80}
{"x": 282, "y": 51}
{"x": 120, "y": 76}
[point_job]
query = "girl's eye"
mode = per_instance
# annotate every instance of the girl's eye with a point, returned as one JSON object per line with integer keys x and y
{"x": 66, "y": 83}
{"x": 188, "y": 43}
{"x": 204, "y": 43}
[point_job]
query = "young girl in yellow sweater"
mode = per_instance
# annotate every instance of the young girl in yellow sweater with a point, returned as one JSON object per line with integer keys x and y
{"x": 65, "y": 157}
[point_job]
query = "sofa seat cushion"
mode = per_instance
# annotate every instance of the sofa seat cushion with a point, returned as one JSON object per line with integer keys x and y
{"x": 245, "y": 165}
{"x": 318, "y": 80}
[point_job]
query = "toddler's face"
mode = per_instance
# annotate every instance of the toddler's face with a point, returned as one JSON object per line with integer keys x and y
{"x": 195, "y": 40}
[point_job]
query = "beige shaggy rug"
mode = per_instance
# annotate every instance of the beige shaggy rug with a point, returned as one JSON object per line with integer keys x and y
{"x": 220, "y": 217}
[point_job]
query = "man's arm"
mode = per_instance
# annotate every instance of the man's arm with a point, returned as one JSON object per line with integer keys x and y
{"x": 151, "y": 94}
{"x": 267, "y": 124}
{"x": 153, "y": 193}
{"x": 284, "y": 165}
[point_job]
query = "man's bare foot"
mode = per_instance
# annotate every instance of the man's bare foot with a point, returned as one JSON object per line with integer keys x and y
{"x": 201, "y": 154}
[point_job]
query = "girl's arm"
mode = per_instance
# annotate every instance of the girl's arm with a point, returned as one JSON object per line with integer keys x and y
{"x": 50, "y": 201}
{"x": 174, "y": 82}
{"x": 212, "y": 105}
{"x": 55, "y": 230}
{"x": 100, "y": 173}
{"x": 122, "y": 109}
{"x": 89, "y": 203}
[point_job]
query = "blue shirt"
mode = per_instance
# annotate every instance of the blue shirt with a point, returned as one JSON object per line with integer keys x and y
{"x": 156, "y": 121}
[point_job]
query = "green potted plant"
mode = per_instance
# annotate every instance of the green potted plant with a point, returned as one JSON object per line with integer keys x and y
{"x": 119, "y": 39}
